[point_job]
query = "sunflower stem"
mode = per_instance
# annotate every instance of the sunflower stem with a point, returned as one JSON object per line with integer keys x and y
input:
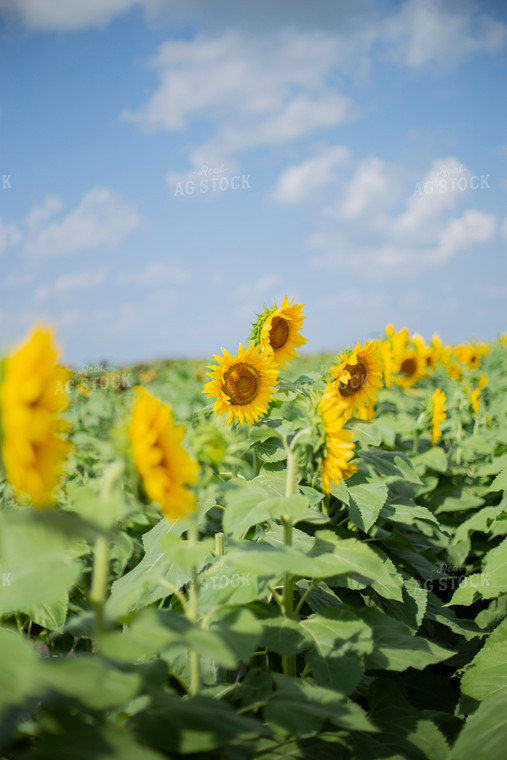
{"x": 219, "y": 544}
{"x": 98, "y": 588}
{"x": 256, "y": 464}
{"x": 289, "y": 661}
{"x": 234, "y": 464}
{"x": 193, "y": 613}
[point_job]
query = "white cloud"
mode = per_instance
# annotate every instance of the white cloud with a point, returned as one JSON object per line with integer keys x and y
{"x": 302, "y": 181}
{"x": 9, "y": 236}
{"x": 362, "y": 234}
{"x": 442, "y": 33}
{"x": 503, "y": 228}
{"x": 253, "y": 91}
{"x": 156, "y": 274}
{"x": 49, "y": 207}
{"x": 370, "y": 188}
{"x": 68, "y": 284}
{"x": 252, "y": 87}
{"x": 100, "y": 219}
{"x": 68, "y": 15}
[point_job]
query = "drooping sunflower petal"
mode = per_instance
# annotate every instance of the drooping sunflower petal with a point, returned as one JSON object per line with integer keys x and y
{"x": 32, "y": 395}
{"x": 166, "y": 468}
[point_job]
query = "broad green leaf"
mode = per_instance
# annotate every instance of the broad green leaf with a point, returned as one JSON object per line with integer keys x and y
{"x": 391, "y": 463}
{"x": 485, "y": 731}
{"x": 35, "y": 566}
{"x": 300, "y": 709}
{"x": 487, "y": 674}
{"x": 488, "y": 584}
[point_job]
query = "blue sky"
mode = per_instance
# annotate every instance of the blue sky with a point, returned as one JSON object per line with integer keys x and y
{"x": 168, "y": 168}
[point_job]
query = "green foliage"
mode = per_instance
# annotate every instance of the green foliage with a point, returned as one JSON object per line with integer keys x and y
{"x": 364, "y": 624}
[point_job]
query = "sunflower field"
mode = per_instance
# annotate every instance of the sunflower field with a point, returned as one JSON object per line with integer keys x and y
{"x": 271, "y": 556}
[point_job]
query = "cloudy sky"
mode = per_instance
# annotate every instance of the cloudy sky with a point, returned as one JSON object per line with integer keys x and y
{"x": 169, "y": 167}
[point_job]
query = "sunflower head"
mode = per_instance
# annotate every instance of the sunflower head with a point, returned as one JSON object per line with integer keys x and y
{"x": 337, "y": 447}
{"x": 411, "y": 367}
{"x": 33, "y": 393}
{"x": 455, "y": 372}
{"x": 474, "y": 400}
{"x": 358, "y": 376}
{"x": 243, "y": 385}
{"x": 277, "y": 331}
{"x": 165, "y": 467}
{"x": 438, "y": 414}
{"x": 483, "y": 380}
{"x": 474, "y": 357}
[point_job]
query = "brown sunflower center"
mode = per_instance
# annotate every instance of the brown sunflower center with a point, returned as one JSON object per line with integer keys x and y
{"x": 358, "y": 374}
{"x": 408, "y": 367}
{"x": 279, "y": 333}
{"x": 241, "y": 383}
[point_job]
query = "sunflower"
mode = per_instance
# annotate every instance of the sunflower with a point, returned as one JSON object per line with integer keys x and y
{"x": 277, "y": 331}
{"x": 474, "y": 400}
{"x": 338, "y": 444}
{"x": 434, "y": 352}
{"x": 455, "y": 372}
{"x": 243, "y": 385}
{"x": 474, "y": 357}
{"x": 32, "y": 395}
{"x": 411, "y": 368}
{"x": 166, "y": 468}
{"x": 358, "y": 376}
{"x": 439, "y": 414}
{"x": 483, "y": 380}
{"x": 388, "y": 362}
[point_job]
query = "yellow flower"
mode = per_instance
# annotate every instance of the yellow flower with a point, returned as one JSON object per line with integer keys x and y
{"x": 389, "y": 331}
{"x": 439, "y": 414}
{"x": 503, "y": 340}
{"x": 388, "y": 361}
{"x": 454, "y": 371}
{"x": 31, "y": 396}
{"x": 434, "y": 353}
{"x": 165, "y": 467}
{"x": 411, "y": 368}
{"x": 461, "y": 353}
{"x": 400, "y": 342}
{"x": 483, "y": 380}
{"x": 338, "y": 446}
{"x": 474, "y": 357}
{"x": 278, "y": 331}
{"x": 474, "y": 400}
{"x": 243, "y": 385}
{"x": 358, "y": 377}
{"x": 445, "y": 356}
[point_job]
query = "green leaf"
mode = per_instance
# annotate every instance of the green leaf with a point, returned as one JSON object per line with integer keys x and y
{"x": 18, "y": 669}
{"x": 396, "y": 647}
{"x": 484, "y": 733}
{"x": 488, "y": 584}
{"x": 35, "y": 565}
{"x": 300, "y": 709}
{"x": 365, "y": 502}
{"x": 89, "y": 680}
{"x": 337, "y": 660}
{"x": 391, "y": 463}
{"x": 187, "y": 726}
{"x": 487, "y": 674}
{"x": 367, "y": 433}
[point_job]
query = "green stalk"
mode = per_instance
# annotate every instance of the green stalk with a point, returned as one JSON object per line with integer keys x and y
{"x": 99, "y": 580}
{"x": 289, "y": 661}
{"x": 98, "y": 588}
{"x": 193, "y": 614}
